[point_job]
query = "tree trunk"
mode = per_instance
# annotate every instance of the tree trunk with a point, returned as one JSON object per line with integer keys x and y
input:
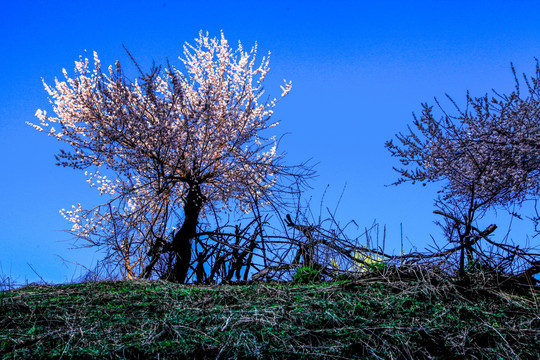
{"x": 181, "y": 244}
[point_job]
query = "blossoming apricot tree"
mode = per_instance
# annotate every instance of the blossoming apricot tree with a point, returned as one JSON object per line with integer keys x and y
{"x": 487, "y": 155}
{"x": 165, "y": 148}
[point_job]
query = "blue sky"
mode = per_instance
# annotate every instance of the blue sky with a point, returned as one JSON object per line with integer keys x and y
{"x": 359, "y": 69}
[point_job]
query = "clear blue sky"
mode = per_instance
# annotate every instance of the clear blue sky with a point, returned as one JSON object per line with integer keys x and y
{"x": 359, "y": 69}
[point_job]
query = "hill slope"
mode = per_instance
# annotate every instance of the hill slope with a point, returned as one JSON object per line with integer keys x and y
{"x": 407, "y": 317}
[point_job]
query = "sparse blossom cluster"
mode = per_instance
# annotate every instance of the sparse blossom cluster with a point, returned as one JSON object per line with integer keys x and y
{"x": 488, "y": 153}
{"x": 487, "y": 156}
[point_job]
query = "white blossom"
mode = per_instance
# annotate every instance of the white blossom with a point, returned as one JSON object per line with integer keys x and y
{"x": 157, "y": 135}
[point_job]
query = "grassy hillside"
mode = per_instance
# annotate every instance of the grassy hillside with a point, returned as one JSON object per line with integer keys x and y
{"x": 407, "y": 315}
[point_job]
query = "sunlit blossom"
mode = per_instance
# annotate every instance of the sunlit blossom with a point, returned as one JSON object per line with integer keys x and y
{"x": 149, "y": 140}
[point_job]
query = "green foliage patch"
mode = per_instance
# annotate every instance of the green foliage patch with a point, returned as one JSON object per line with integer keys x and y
{"x": 307, "y": 275}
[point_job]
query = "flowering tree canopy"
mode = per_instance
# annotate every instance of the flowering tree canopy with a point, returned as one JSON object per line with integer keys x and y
{"x": 487, "y": 155}
{"x": 165, "y": 147}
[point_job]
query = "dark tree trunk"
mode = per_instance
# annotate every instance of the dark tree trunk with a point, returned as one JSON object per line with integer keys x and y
{"x": 181, "y": 244}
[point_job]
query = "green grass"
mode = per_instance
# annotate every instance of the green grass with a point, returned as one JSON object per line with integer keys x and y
{"x": 376, "y": 317}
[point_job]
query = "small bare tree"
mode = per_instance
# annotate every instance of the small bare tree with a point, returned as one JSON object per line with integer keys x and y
{"x": 167, "y": 150}
{"x": 487, "y": 156}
